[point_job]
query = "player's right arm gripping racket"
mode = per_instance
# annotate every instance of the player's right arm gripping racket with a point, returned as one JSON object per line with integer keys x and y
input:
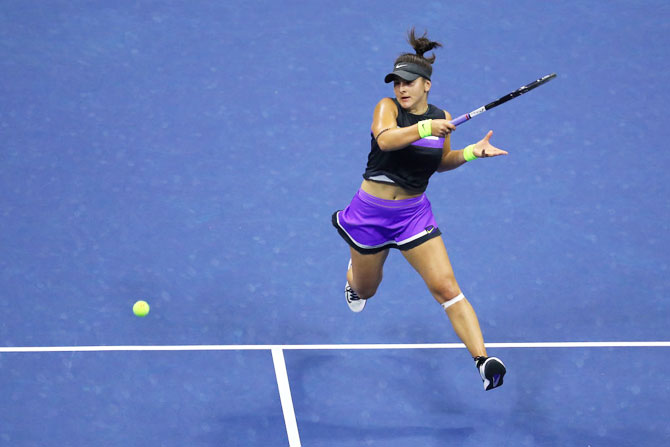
{"x": 520, "y": 91}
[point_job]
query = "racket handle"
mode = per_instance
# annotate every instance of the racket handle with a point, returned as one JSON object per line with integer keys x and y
{"x": 456, "y": 121}
{"x": 460, "y": 120}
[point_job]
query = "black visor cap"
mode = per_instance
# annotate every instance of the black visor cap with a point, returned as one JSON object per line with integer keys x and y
{"x": 406, "y": 71}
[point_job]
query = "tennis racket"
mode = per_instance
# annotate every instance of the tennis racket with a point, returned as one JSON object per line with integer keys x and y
{"x": 518, "y": 92}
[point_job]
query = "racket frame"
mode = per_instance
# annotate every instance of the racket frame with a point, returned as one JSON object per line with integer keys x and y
{"x": 503, "y": 99}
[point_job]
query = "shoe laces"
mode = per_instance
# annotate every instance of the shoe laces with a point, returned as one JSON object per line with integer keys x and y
{"x": 352, "y": 295}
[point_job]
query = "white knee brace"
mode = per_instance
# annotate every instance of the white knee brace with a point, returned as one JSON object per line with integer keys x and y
{"x": 453, "y": 301}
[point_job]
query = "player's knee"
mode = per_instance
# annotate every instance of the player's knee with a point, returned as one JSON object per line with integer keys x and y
{"x": 367, "y": 287}
{"x": 445, "y": 289}
{"x": 366, "y": 291}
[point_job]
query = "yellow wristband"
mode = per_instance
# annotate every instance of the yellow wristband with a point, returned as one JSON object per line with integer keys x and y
{"x": 425, "y": 128}
{"x": 469, "y": 153}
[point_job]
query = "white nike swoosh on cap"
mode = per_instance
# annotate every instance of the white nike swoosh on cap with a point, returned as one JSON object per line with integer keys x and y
{"x": 401, "y": 65}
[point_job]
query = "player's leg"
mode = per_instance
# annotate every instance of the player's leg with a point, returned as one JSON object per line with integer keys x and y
{"x": 359, "y": 224}
{"x": 363, "y": 277}
{"x": 431, "y": 261}
{"x": 365, "y": 272}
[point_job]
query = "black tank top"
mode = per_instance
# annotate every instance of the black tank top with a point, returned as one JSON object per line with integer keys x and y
{"x": 411, "y": 166}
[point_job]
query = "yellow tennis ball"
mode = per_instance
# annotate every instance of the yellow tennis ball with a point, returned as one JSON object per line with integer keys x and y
{"x": 141, "y": 308}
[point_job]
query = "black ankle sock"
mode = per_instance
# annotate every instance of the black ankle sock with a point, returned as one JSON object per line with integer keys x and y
{"x": 479, "y": 360}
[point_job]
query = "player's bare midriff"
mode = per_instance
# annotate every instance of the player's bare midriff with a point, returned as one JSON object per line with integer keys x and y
{"x": 387, "y": 191}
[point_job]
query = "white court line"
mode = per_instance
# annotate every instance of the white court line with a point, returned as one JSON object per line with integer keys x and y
{"x": 285, "y": 397}
{"x": 280, "y": 363}
{"x": 567, "y": 344}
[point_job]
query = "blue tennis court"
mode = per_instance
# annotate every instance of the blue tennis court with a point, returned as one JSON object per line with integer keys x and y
{"x": 190, "y": 154}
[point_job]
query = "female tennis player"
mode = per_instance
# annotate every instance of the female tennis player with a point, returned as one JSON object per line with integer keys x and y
{"x": 410, "y": 142}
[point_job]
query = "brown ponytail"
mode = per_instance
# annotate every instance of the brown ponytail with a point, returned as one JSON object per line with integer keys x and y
{"x": 421, "y": 46}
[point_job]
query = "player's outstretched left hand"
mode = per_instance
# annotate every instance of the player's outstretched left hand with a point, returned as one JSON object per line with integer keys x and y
{"x": 483, "y": 148}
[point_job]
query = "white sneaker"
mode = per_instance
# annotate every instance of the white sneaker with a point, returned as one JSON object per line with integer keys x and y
{"x": 355, "y": 303}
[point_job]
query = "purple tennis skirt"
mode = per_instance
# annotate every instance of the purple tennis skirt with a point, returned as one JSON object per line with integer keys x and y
{"x": 370, "y": 224}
